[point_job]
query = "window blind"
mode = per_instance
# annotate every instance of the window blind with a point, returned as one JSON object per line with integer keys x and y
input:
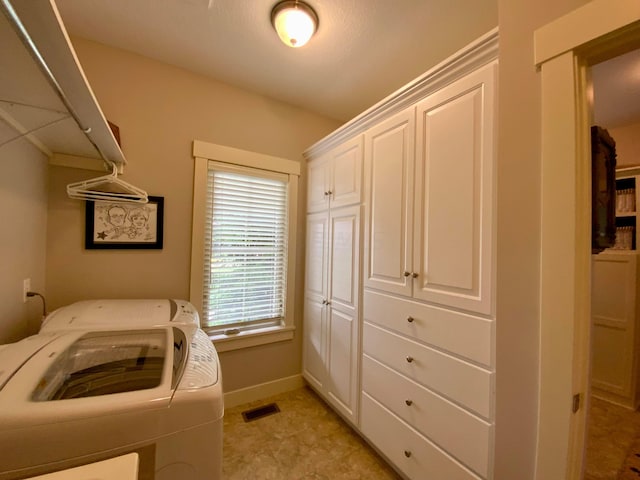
{"x": 245, "y": 249}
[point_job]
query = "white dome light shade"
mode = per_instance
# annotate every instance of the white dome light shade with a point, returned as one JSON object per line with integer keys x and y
{"x": 295, "y": 22}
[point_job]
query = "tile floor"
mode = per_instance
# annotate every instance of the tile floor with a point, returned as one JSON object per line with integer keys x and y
{"x": 305, "y": 440}
{"x": 611, "y": 432}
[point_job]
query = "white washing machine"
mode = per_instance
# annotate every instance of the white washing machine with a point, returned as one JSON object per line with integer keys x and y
{"x": 73, "y": 397}
{"x": 121, "y": 313}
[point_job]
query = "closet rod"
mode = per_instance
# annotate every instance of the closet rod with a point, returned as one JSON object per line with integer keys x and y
{"x": 22, "y": 33}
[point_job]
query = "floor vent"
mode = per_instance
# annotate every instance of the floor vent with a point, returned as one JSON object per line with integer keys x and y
{"x": 259, "y": 412}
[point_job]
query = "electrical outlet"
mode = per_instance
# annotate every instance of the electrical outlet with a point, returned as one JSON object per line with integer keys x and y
{"x": 26, "y": 287}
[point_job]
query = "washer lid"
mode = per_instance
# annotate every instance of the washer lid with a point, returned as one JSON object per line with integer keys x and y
{"x": 102, "y": 363}
{"x": 14, "y": 355}
{"x": 121, "y": 313}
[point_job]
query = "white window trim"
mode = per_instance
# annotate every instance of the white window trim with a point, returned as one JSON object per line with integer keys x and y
{"x": 203, "y": 153}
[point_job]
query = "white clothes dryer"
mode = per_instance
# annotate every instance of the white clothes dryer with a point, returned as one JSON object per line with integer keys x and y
{"x": 73, "y": 397}
{"x": 121, "y": 313}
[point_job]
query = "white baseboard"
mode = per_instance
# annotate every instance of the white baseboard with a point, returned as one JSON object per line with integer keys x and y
{"x": 263, "y": 390}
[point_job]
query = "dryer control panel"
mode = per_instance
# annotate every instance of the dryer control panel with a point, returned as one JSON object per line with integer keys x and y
{"x": 202, "y": 369}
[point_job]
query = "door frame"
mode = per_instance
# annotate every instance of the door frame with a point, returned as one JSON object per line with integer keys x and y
{"x": 564, "y": 51}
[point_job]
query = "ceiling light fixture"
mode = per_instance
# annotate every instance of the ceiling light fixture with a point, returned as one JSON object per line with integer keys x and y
{"x": 295, "y": 22}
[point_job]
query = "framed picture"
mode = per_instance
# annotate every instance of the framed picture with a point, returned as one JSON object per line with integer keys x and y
{"x": 111, "y": 225}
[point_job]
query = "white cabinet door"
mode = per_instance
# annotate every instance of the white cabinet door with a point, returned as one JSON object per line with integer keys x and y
{"x": 454, "y": 199}
{"x": 345, "y": 176}
{"x": 317, "y": 185}
{"x": 343, "y": 307}
{"x": 614, "y": 317}
{"x": 389, "y": 158}
{"x": 331, "y": 308}
{"x": 316, "y": 281}
{"x": 335, "y": 178}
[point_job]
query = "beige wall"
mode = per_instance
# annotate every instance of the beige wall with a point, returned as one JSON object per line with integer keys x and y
{"x": 627, "y": 144}
{"x": 160, "y": 110}
{"x": 519, "y": 177}
{"x": 23, "y": 211}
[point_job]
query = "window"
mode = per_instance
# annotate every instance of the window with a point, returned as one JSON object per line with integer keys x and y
{"x": 245, "y": 249}
{"x": 243, "y": 240}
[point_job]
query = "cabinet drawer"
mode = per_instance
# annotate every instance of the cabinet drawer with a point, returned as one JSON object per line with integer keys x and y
{"x": 459, "y": 333}
{"x": 464, "y": 383}
{"x": 409, "y": 451}
{"x": 450, "y": 427}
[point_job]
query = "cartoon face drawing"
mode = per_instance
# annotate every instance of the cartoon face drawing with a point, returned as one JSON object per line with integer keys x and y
{"x": 116, "y": 216}
{"x": 138, "y": 217}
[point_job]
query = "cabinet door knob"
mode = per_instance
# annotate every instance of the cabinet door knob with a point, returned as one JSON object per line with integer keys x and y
{"x": 410, "y": 319}
{"x": 406, "y": 274}
{"x": 326, "y": 193}
{"x": 407, "y": 453}
{"x": 409, "y": 402}
{"x": 409, "y": 359}
{"x": 329, "y": 192}
{"x": 414, "y": 274}
{"x": 324, "y": 301}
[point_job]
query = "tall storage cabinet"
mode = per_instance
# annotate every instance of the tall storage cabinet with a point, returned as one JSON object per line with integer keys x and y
{"x": 424, "y": 331}
{"x": 428, "y": 297}
{"x": 332, "y": 287}
{"x": 616, "y": 327}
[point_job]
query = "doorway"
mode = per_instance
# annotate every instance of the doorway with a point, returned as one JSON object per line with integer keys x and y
{"x": 565, "y": 264}
{"x": 613, "y": 424}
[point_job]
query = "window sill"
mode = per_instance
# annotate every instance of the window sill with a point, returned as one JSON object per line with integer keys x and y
{"x": 252, "y": 338}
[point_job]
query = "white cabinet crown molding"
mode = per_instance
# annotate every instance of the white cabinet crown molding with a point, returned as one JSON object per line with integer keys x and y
{"x": 471, "y": 57}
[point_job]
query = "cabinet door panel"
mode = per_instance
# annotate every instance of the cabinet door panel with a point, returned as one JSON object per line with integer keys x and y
{"x": 345, "y": 256}
{"x": 613, "y": 312}
{"x": 342, "y": 361}
{"x": 314, "y": 344}
{"x": 389, "y": 151}
{"x": 453, "y": 241}
{"x": 318, "y": 184}
{"x": 317, "y": 255}
{"x": 313, "y": 356}
{"x": 346, "y": 173}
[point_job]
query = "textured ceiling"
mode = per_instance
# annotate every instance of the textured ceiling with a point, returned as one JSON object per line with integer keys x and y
{"x": 363, "y": 51}
{"x": 616, "y": 90}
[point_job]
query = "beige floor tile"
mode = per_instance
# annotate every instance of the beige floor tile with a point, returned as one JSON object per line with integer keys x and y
{"x": 306, "y": 440}
{"x": 611, "y": 432}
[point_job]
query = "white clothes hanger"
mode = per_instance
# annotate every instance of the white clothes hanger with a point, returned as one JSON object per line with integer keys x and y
{"x": 107, "y": 188}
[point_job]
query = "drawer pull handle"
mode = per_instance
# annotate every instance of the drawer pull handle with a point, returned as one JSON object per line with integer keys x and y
{"x": 406, "y": 274}
{"x": 407, "y": 453}
{"x": 409, "y": 402}
{"x": 410, "y": 319}
{"x": 409, "y": 359}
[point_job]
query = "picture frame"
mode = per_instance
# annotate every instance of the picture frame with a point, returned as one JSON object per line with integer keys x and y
{"x": 120, "y": 225}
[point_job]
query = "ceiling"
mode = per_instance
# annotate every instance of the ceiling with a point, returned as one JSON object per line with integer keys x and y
{"x": 616, "y": 91}
{"x": 363, "y": 50}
